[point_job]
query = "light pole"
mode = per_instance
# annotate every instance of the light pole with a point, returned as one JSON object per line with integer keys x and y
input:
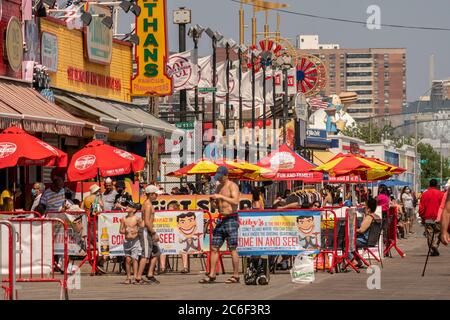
{"x": 195, "y": 33}
{"x": 416, "y": 143}
{"x": 215, "y": 37}
{"x": 182, "y": 16}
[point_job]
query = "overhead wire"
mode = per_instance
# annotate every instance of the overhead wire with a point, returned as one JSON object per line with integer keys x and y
{"x": 346, "y": 20}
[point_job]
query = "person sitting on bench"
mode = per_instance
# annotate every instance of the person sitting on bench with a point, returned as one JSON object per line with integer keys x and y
{"x": 362, "y": 233}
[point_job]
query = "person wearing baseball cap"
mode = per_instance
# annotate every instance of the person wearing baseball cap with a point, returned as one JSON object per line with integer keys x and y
{"x": 148, "y": 237}
{"x": 226, "y": 200}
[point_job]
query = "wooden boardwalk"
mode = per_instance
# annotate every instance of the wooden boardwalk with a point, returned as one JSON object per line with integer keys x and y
{"x": 400, "y": 279}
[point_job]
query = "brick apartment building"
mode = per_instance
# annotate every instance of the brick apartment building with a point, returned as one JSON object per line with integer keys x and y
{"x": 377, "y": 75}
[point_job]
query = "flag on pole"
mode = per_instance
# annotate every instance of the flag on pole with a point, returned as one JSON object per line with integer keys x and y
{"x": 317, "y": 103}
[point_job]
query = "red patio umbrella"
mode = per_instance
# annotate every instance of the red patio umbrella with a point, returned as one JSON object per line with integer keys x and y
{"x": 100, "y": 158}
{"x": 287, "y": 165}
{"x": 18, "y": 148}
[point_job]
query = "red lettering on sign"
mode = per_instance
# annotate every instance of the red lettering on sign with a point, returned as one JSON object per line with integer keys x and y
{"x": 93, "y": 78}
{"x": 167, "y": 238}
{"x": 116, "y": 240}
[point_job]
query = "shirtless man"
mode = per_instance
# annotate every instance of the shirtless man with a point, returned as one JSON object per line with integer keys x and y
{"x": 226, "y": 200}
{"x": 445, "y": 221}
{"x": 148, "y": 237}
{"x": 129, "y": 226}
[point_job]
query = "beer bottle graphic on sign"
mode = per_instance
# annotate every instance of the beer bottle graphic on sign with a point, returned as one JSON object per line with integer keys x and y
{"x": 104, "y": 242}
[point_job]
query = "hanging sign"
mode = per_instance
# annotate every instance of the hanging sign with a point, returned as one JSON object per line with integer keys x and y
{"x": 14, "y": 44}
{"x": 151, "y": 52}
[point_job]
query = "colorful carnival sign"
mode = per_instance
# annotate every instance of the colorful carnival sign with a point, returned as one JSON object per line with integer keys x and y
{"x": 279, "y": 232}
{"x": 77, "y": 229}
{"x": 151, "y": 52}
{"x": 179, "y": 231}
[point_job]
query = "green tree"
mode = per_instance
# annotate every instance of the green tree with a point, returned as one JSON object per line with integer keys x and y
{"x": 370, "y": 133}
{"x": 431, "y": 164}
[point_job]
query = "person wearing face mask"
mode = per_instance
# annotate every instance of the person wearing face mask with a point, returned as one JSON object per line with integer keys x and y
{"x": 408, "y": 206}
{"x": 36, "y": 193}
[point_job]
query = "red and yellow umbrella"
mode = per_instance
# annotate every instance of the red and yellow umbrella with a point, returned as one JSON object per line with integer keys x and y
{"x": 351, "y": 164}
{"x": 237, "y": 168}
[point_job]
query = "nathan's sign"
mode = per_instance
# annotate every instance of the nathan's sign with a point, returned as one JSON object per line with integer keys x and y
{"x": 151, "y": 53}
{"x": 93, "y": 78}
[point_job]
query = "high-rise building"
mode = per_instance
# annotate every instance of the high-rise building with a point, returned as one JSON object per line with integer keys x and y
{"x": 377, "y": 75}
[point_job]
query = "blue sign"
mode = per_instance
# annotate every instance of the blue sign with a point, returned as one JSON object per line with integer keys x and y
{"x": 316, "y": 133}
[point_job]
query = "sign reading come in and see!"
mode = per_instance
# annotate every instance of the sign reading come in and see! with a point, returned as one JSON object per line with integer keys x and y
{"x": 151, "y": 53}
{"x": 99, "y": 38}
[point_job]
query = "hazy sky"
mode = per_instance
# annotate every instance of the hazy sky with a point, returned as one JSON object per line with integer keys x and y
{"x": 222, "y": 15}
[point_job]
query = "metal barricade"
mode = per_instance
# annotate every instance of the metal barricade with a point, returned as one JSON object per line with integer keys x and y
{"x": 10, "y": 288}
{"x": 83, "y": 233}
{"x": 329, "y": 230}
{"x": 211, "y": 221}
{"x": 15, "y": 214}
{"x": 391, "y": 234}
{"x": 32, "y": 269}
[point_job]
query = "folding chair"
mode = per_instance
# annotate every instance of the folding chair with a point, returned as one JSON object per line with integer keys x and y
{"x": 374, "y": 240}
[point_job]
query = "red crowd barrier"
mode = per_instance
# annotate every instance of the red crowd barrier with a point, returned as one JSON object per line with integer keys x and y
{"x": 20, "y": 213}
{"x": 330, "y": 247}
{"x": 391, "y": 235}
{"x": 40, "y": 265}
{"x": 9, "y": 283}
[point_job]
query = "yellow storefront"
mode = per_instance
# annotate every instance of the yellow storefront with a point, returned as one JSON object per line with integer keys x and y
{"x": 91, "y": 75}
{"x": 76, "y": 73}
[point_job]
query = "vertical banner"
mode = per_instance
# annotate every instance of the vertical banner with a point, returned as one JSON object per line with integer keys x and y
{"x": 183, "y": 71}
{"x": 279, "y": 232}
{"x": 290, "y": 134}
{"x": 292, "y": 81}
{"x": 151, "y": 52}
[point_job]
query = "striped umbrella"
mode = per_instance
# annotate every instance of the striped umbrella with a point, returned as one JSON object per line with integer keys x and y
{"x": 351, "y": 164}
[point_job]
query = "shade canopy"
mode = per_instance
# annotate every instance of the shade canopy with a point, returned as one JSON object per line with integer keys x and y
{"x": 100, "y": 158}
{"x": 18, "y": 148}
{"x": 356, "y": 165}
{"x": 286, "y": 164}
{"x": 236, "y": 168}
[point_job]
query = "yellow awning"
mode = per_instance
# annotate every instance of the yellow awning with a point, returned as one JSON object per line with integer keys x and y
{"x": 321, "y": 157}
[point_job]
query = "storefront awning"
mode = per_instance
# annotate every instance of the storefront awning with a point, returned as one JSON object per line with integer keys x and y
{"x": 127, "y": 118}
{"x": 24, "y": 107}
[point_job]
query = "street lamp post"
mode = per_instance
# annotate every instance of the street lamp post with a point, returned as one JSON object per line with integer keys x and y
{"x": 195, "y": 33}
{"x": 215, "y": 37}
